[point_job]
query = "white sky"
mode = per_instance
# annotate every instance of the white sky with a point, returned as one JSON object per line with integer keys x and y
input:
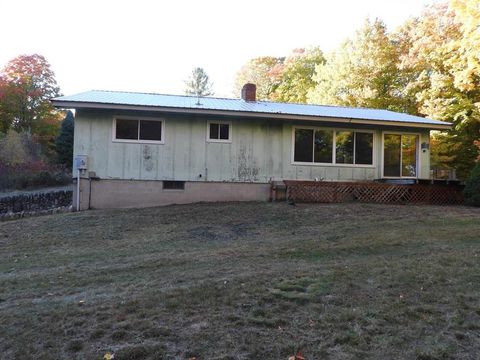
{"x": 152, "y": 46}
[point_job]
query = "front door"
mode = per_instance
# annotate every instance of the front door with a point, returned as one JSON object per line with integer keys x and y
{"x": 400, "y": 155}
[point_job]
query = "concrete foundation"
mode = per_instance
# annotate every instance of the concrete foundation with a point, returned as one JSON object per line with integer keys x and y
{"x": 109, "y": 194}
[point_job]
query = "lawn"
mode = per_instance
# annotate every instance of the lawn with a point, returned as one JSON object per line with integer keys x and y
{"x": 243, "y": 281}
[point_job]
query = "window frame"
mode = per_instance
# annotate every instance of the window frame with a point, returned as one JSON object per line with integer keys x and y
{"x": 417, "y": 155}
{"x": 138, "y": 141}
{"x": 334, "y": 147}
{"x": 229, "y": 123}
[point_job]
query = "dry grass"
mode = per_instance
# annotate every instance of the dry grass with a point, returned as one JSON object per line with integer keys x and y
{"x": 243, "y": 281}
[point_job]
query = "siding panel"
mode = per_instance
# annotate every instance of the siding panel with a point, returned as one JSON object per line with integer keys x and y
{"x": 260, "y": 150}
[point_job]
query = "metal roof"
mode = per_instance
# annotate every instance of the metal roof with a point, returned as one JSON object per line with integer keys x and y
{"x": 225, "y": 106}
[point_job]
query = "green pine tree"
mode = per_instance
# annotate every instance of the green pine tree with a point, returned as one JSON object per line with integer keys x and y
{"x": 64, "y": 141}
{"x": 198, "y": 84}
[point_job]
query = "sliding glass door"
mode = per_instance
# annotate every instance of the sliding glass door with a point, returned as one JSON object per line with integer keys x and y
{"x": 400, "y": 155}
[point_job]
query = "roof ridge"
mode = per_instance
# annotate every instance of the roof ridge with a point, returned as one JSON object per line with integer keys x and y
{"x": 154, "y": 93}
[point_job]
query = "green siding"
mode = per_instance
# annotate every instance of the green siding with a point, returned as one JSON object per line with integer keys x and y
{"x": 260, "y": 151}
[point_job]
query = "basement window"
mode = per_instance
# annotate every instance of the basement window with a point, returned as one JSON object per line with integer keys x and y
{"x": 138, "y": 130}
{"x": 173, "y": 185}
{"x": 219, "y": 131}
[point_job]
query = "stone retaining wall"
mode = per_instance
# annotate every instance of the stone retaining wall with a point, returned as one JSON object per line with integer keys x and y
{"x": 28, "y": 204}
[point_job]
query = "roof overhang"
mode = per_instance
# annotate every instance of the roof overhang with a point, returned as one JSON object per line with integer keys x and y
{"x": 284, "y": 116}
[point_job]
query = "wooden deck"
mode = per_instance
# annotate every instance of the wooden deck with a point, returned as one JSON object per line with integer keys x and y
{"x": 373, "y": 192}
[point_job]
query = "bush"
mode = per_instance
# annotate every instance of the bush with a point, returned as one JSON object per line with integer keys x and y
{"x": 22, "y": 165}
{"x": 12, "y": 149}
{"x": 472, "y": 187}
{"x": 24, "y": 177}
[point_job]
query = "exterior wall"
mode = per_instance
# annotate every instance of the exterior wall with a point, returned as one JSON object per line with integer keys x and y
{"x": 260, "y": 151}
{"x": 108, "y": 194}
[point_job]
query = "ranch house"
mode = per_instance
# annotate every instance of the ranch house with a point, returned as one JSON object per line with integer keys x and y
{"x": 151, "y": 149}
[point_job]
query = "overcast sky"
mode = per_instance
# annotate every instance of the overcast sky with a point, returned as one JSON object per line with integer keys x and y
{"x": 152, "y": 46}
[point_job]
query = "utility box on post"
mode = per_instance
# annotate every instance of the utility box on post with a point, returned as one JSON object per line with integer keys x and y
{"x": 80, "y": 162}
{"x": 80, "y": 165}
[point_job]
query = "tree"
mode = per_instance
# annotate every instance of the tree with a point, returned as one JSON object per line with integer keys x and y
{"x": 297, "y": 75}
{"x": 265, "y": 72}
{"x": 363, "y": 72}
{"x": 26, "y": 85}
{"x": 198, "y": 84}
{"x": 64, "y": 141}
{"x": 430, "y": 54}
{"x": 5, "y": 119}
{"x": 465, "y": 62}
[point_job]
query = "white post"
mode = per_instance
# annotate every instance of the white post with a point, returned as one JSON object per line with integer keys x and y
{"x": 78, "y": 189}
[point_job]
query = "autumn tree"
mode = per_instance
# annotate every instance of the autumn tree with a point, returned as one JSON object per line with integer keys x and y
{"x": 198, "y": 83}
{"x": 430, "y": 55}
{"x": 465, "y": 59}
{"x": 265, "y": 72}
{"x": 27, "y": 83}
{"x": 296, "y": 78}
{"x": 362, "y": 72}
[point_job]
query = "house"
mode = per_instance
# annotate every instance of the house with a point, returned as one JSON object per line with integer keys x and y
{"x": 153, "y": 149}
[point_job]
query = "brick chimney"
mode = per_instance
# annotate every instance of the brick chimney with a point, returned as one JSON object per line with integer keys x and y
{"x": 249, "y": 92}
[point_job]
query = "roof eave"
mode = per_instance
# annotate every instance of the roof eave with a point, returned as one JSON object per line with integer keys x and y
{"x": 65, "y": 104}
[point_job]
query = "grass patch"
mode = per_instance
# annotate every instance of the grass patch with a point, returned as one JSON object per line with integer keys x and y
{"x": 243, "y": 281}
{"x": 303, "y": 290}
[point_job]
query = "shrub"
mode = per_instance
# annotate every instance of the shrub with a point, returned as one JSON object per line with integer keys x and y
{"x": 22, "y": 166}
{"x": 472, "y": 187}
{"x": 12, "y": 149}
{"x": 32, "y": 175}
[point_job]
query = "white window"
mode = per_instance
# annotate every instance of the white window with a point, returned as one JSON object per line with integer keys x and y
{"x": 219, "y": 131}
{"x": 144, "y": 130}
{"x": 327, "y": 146}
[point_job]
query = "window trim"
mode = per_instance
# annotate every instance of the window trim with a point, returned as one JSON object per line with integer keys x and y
{"x": 138, "y": 118}
{"x": 417, "y": 155}
{"x": 229, "y": 123}
{"x": 334, "y": 147}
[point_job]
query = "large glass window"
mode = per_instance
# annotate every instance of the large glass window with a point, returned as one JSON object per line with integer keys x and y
{"x": 137, "y": 130}
{"x": 409, "y": 155}
{"x": 363, "y": 148}
{"x": 303, "y": 145}
{"x": 400, "y": 155}
{"x": 391, "y": 155}
{"x": 333, "y": 146}
{"x": 344, "y": 147}
{"x": 323, "y": 146}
